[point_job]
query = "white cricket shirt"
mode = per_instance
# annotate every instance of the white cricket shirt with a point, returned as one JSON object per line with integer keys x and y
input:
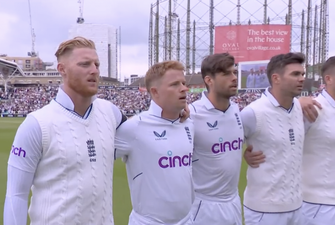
{"x": 23, "y": 164}
{"x": 159, "y": 158}
{"x": 319, "y": 155}
{"x": 218, "y": 144}
{"x": 275, "y": 186}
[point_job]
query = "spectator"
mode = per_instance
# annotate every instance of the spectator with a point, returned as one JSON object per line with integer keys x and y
{"x": 23, "y": 100}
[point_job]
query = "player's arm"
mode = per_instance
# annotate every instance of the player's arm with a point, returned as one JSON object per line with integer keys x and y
{"x": 307, "y": 123}
{"x": 125, "y": 137}
{"x": 308, "y": 108}
{"x": 253, "y": 158}
{"x": 24, "y": 157}
{"x": 119, "y": 116}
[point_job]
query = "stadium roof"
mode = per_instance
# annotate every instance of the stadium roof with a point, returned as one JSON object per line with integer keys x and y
{"x": 9, "y": 69}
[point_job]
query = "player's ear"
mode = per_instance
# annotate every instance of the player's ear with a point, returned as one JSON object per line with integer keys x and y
{"x": 153, "y": 91}
{"x": 329, "y": 79}
{"x": 275, "y": 78}
{"x": 208, "y": 80}
{"x": 61, "y": 69}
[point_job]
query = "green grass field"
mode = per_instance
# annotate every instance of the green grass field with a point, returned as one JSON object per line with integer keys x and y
{"x": 122, "y": 205}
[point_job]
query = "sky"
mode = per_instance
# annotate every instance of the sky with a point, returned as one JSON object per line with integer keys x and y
{"x": 53, "y": 18}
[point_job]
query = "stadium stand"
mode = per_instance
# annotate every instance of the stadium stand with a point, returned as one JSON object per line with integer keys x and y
{"x": 19, "y": 101}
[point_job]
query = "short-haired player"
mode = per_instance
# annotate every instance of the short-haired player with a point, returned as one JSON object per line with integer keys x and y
{"x": 274, "y": 124}
{"x": 158, "y": 149}
{"x": 218, "y": 145}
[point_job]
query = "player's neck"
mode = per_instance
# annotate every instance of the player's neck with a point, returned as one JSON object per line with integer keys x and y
{"x": 170, "y": 115}
{"x": 284, "y": 101}
{"x": 80, "y": 103}
{"x": 330, "y": 92}
{"x": 218, "y": 102}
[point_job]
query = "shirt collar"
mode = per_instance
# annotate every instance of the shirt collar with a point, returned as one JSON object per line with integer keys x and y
{"x": 63, "y": 99}
{"x": 208, "y": 104}
{"x": 156, "y": 110}
{"x": 274, "y": 101}
{"x": 328, "y": 98}
{"x": 204, "y": 99}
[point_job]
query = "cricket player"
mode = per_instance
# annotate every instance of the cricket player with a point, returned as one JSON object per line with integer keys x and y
{"x": 274, "y": 124}
{"x": 319, "y": 203}
{"x": 218, "y": 145}
{"x": 159, "y": 151}
{"x": 65, "y": 150}
{"x": 319, "y": 160}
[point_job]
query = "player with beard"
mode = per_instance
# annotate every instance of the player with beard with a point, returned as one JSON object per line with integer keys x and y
{"x": 274, "y": 124}
{"x": 65, "y": 150}
{"x": 318, "y": 163}
{"x": 218, "y": 145}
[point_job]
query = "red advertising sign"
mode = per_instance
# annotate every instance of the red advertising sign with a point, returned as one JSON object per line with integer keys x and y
{"x": 252, "y": 42}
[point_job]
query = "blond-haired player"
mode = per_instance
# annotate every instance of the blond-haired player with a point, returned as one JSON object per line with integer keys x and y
{"x": 64, "y": 152}
{"x": 159, "y": 151}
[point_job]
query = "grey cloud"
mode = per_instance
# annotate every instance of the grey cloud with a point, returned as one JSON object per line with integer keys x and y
{"x": 53, "y": 18}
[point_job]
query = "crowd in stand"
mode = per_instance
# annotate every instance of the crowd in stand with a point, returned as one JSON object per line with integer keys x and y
{"x": 23, "y": 100}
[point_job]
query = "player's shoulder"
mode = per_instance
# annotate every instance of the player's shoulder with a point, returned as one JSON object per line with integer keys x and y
{"x": 259, "y": 101}
{"x": 196, "y": 106}
{"x": 43, "y": 112}
{"x": 188, "y": 122}
{"x": 234, "y": 105}
{"x": 29, "y": 123}
{"x": 102, "y": 102}
{"x": 106, "y": 105}
{"x": 188, "y": 125}
{"x": 130, "y": 124}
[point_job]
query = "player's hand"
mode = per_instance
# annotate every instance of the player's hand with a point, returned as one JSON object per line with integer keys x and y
{"x": 308, "y": 108}
{"x": 253, "y": 158}
{"x": 185, "y": 114}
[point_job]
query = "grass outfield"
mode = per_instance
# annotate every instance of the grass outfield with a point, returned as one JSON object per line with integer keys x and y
{"x": 122, "y": 205}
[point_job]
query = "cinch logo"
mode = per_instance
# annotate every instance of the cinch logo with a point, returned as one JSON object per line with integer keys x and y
{"x": 160, "y": 136}
{"x": 213, "y": 126}
{"x": 175, "y": 161}
{"x": 18, "y": 151}
{"x": 227, "y": 146}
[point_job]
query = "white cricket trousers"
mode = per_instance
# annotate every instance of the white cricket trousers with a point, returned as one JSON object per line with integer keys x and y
{"x": 137, "y": 219}
{"x": 316, "y": 214}
{"x": 282, "y": 218}
{"x": 214, "y": 211}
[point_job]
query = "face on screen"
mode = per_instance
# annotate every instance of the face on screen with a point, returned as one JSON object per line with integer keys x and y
{"x": 292, "y": 80}
{"x": 81, "y": 70}
{"x": 224, "y": 84}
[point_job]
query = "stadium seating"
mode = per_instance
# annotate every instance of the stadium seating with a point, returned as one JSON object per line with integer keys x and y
{"x": 23, "y": 100}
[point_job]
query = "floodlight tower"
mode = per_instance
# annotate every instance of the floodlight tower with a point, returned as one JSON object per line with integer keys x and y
{"x": 33, "y": 36}
{"x": 80, "y": 19}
